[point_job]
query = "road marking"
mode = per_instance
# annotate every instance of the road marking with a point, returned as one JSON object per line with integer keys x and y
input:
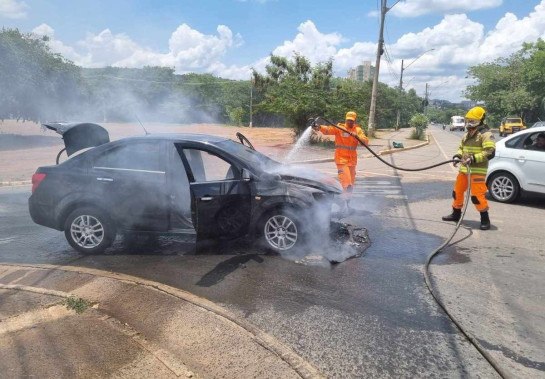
{"x": 444, "y": 154}
{"x": 365, "y": 187}
{"x": 7, "y": 240}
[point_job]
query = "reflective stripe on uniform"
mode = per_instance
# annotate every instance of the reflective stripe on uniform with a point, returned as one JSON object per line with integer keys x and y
{"x": 474, "y": 170}
{"x": 344, "y": 147}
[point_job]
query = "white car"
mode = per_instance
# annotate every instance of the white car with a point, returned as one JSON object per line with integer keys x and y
{"x": 518, "y": 166}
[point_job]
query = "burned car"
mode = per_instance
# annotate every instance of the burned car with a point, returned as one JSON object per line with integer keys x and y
{"x": 200, "y": 185}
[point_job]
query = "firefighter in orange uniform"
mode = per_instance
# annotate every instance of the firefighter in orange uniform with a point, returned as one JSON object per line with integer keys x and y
{"x": 346, "y": 157}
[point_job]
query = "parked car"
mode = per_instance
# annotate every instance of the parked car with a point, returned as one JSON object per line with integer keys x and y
{"x": 510, "y": 125}
{"x": 538, "y": 123}
{"x": 200, "y": 185}
{"x": 519, "y": 165}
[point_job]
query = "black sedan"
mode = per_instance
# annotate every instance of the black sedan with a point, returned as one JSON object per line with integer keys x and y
{"x": 202, "y": 185}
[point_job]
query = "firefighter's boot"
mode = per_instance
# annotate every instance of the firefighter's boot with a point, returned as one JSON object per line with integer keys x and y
{"x": 454, "y": 216}
{"x": 485, "y": 221}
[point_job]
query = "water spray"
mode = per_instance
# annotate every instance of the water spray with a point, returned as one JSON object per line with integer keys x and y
{"x": 501, "y": 372}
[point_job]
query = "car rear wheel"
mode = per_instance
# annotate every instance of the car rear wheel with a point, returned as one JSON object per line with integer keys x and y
{"x": 89, "y": 230}
{"x": 282, "y": 231}
{"x": 503, "y": 187}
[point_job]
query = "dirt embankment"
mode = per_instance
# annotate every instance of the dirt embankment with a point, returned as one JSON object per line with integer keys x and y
{"x": 25, "y": 146}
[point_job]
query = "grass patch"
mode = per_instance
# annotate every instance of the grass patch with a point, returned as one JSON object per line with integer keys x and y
{"x": 418, "y": 134}
{"x": 76, "y": 304}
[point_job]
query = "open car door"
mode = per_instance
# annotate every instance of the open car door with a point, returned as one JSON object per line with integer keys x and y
{"x": 220, "y": 198}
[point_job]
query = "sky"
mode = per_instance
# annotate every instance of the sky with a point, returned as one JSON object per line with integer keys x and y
{"x": 437, "y": 39}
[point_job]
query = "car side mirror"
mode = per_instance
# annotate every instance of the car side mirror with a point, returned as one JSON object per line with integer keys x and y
{"x": 246, "y": 175}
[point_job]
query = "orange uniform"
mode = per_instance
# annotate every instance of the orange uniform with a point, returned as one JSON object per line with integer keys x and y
{"x": 346, "y": 156}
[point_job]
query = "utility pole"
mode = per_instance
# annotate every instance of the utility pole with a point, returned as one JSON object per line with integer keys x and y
{"x": 426, "y": 99}
{"x": 398, "y": 119}
{"x": 383, "y": 10}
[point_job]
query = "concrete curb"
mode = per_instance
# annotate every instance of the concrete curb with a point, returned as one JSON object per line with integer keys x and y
{"x": 302, "y": 367}
{"x": 391, "y": 151}
{"x": 15, "y": 183}
{"x": 380, "y": 153}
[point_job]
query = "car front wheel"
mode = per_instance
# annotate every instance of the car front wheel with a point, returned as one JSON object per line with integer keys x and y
{"x": 503, "y": 187}
{"x": 282, "y": 231}
{"x": 89, "y": 230}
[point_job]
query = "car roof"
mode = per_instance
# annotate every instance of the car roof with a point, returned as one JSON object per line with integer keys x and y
{"x": 189, "y": 137}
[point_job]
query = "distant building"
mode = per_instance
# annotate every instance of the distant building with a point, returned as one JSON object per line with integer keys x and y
{"x": 362, "y": 72}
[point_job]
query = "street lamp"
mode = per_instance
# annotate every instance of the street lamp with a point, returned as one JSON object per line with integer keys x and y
{"x": 401, "y": 82}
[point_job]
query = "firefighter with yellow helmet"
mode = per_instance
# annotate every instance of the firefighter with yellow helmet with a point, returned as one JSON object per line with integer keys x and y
{"x": 346, "y": 157}
{"x": 476, "y": 149}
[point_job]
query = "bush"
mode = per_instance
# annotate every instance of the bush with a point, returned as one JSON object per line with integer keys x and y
{"x": 420, "y": 123}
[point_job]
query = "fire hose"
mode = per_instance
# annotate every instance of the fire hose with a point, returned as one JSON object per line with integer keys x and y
{"x": 504, "y": 374}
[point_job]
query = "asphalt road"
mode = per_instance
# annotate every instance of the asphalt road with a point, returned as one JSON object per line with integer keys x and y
{"x": 370, "y": 316}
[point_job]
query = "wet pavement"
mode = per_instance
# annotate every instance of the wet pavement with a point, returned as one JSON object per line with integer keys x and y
{"x": 369, "y": 316}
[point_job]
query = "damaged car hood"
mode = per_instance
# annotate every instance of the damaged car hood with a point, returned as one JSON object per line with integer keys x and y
{"x": 307, "y": 177}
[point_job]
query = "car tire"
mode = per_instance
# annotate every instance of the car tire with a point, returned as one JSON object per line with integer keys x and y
{"x": 503, "y": 187}
{"x": 89, "y": 230}
{"x": 281, "y": 231}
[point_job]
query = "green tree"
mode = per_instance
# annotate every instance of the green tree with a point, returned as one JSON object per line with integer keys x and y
{"x": 293, "y": 89}
{"x": 35, "y": 83}
{"x": 512, "y": 86}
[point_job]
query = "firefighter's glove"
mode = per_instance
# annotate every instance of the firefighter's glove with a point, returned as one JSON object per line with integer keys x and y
{"x": 457, "y": 159}
{"x": 312, "y": 123}
{"x": 468, "y": 159}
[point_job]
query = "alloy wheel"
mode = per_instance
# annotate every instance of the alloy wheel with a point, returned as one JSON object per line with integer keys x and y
{"x": 87, "y": 231}
{"x": 281, "y": 232}
{"x": 502, "y": 188}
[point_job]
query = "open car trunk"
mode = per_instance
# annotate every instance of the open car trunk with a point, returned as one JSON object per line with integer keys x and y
{"x": 78, "y": 136}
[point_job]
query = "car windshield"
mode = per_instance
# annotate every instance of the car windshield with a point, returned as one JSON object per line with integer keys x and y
{"x": 514, "y": 120}
{"x": 252, "y": 157}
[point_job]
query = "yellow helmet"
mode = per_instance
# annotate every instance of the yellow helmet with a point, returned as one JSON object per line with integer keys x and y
{"x": 476, "y": 113}
{"x": 351, "y": 116}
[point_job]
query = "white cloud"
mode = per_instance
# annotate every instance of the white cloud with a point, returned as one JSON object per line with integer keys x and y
{"x": 311, "y": 43}
{"x": 189, "y": 49}
{"x": 56, "y": 45}
{"x": 414, "y": 8}
{"x": 13, "y": 9}
{"x": 458, "y": 42}
{"x": 510, "y": 32}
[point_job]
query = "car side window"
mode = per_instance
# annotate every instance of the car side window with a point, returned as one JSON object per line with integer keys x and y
{"x": 207, "y": 167}
{"x": 535, "y": 141}
{"x": 529, "y": 141}
{"x": 140, "y": 156}
{"x": 514, "y": 143}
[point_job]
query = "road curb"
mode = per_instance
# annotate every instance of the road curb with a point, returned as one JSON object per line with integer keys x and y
{"x": 302, "y": 367}
{"x": 177, "y": 368}
{"x": 15, "y": 183}
{"x": 391, "y": 151}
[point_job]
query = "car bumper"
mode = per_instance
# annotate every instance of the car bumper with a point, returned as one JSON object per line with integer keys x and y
{"x": 41, "y": 213}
